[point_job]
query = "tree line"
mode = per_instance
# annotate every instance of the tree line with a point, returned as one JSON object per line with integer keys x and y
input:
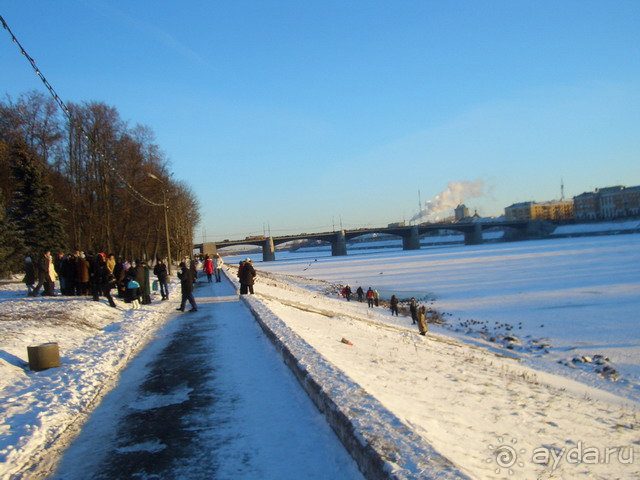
{"x": 91, "y": 183}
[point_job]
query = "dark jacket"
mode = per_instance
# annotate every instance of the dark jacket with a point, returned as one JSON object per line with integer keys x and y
{"x": 29, "y": 273}
{"x": 248, "y": 274}
{"x": 186, "y": 280}
{"x": 103, "y": 277}
{"x": 160, "y": 271}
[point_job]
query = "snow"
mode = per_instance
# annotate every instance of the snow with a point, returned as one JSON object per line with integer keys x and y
{"x": 575, "y": 296}
{"x": 486, "y": 382}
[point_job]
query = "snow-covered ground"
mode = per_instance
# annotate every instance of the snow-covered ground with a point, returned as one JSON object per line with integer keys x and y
{"x": 485, "y": 389}
{"x": 541, "y": 302}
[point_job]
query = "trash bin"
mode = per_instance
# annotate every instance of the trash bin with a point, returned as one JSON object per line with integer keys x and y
{"x": 43, "y": 356}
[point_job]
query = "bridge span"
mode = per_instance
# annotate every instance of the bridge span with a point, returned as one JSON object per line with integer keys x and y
{"x": 410, "y": 236}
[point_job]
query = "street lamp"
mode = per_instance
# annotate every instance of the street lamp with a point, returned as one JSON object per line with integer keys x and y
{"x": 166, "y": 221}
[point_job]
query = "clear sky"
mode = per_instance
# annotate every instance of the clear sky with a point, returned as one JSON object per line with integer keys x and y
{"x": 301, "y": 114}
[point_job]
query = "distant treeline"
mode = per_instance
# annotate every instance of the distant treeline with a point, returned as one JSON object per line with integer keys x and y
{"x": 60, "y": 190}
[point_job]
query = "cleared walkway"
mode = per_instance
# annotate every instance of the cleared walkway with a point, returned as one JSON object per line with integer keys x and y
{"x": 210, "y": 398}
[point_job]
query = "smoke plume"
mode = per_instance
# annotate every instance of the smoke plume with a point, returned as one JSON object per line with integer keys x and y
{"x": 455, "y": 194}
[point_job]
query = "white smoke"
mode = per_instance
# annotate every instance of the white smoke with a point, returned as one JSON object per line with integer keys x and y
{"x": 455, "y": 194}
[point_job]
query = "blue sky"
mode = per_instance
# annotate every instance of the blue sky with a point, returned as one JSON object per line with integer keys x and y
{"x": 299, "y": 114}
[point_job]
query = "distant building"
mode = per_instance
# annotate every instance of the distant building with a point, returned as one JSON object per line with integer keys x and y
{"x": 608, "y": 203}
{"x": 461, "y": 212}
{"x": 554, "y": 210}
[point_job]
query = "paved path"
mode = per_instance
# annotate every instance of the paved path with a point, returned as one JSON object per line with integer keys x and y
{"x": 210, "y": 398}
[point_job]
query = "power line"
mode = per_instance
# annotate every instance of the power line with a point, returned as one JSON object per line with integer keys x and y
{"x": 67, "y": 113}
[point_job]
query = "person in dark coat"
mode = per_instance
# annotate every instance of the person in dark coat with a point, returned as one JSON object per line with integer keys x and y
{"x": 186, "y": 284}
{"x": 243, "y": 287}
{"x": 132, "y": 294}
{"x": 370, "y": 298}
{"x": 29, "y": 274}
{"x": 393, "y": 303}
{"x": 160, "y": 271}
{"x": 360, "y": 294}
{"x": 69, "y": 274}
{"x": 413, "y": 308}
{"x": 143, "y": 271}
{"x": 105, "y": 281}
{"x": 248, "y": 276}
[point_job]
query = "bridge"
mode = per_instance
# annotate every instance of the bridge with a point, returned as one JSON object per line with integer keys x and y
{"x": 410, "y": 236}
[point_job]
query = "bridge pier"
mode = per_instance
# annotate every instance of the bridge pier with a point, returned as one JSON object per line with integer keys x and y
{"x": 268, "y": 250}
{"x": 339, "y": 244}
{"x": 411, "y": 241}
{"x": 473, "y": 236}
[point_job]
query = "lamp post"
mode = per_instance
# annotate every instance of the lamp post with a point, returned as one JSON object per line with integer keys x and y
{"x": 166, "y": 221}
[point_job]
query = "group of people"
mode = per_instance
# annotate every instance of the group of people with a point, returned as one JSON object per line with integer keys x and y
{"x": 418, "y": 313}
{"x": 373, "y": 297}
{"x": 212, "y": 267}
{"x": 246, "y": 276}
{"x": 95, "y": 275}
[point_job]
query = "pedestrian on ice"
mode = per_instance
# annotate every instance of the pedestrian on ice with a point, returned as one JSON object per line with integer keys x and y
{"x": 422, "y": 320}
{"x": 160, "y": 271}
{"x": 393, "y": 303}
{"x": 413, "y": 308}
{"x": 347, "y": 293}
{"x": 360, "y": 294}
{"x": 208, "y": 268}
{"x": 370, "y": 298}
{"x": 376, "y": 298}
{"x": 217, "y": 263}
{"x": 248, "y": 276}
{"x": 186, "y": 284}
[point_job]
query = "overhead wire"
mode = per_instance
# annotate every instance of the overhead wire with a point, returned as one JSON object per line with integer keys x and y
{"x": 67, "y": 113}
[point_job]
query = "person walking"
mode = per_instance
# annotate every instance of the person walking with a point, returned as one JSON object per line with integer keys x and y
{"x": 208, "y": 268}
{"x": 105, "y": 281}
{"x": 160, "y": 271}
{"x": 376, "y": 298}
{"x": 186, "y": 285}
{"x": 370, "y": 298}
{"x": 217, "y": 263}
{"x": 393, "y": 303}
{"x": 29, "y": 274}
{"x": 248, "y": 276}
{"x": 360, "y": 294}
{"x": 43, "y": 270}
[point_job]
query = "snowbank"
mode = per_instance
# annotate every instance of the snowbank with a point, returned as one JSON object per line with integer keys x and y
{"x": 40, "y": 411}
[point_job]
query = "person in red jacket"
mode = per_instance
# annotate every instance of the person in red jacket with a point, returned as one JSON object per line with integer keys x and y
{"x": 208, "y": 267}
